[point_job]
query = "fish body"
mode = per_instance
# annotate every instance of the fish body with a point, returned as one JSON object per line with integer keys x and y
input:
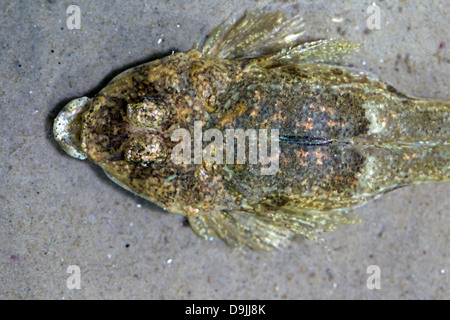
{"x": 342, "y": 135}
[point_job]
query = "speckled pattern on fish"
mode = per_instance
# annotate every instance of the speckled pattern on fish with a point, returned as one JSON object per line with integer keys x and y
{"x": 346, "y": 137}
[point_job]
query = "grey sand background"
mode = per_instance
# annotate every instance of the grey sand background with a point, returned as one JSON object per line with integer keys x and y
{"x": 56, "y": 211}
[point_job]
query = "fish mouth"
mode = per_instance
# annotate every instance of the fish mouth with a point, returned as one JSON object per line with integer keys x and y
{"x": 67, "y": 127}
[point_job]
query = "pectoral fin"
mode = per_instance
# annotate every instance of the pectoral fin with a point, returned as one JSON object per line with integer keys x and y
{"x": 275, "y": 37}
{"x": 255, "y": 34}
{"x": 270, "y": 228}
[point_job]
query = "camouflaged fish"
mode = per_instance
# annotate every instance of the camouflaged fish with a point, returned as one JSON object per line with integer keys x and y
{"x": 344, "y": 136}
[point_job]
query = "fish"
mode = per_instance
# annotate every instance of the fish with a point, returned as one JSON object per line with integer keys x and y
{"x": 339, "y": 136}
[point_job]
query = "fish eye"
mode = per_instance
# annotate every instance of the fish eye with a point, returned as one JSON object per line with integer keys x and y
{"x": 147, "y": 113}
{"x": 144, "y": 150}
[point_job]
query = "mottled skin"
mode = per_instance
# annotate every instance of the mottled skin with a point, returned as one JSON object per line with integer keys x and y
{"x": 345, "y": 136}
{"x": 174, "y": 85}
